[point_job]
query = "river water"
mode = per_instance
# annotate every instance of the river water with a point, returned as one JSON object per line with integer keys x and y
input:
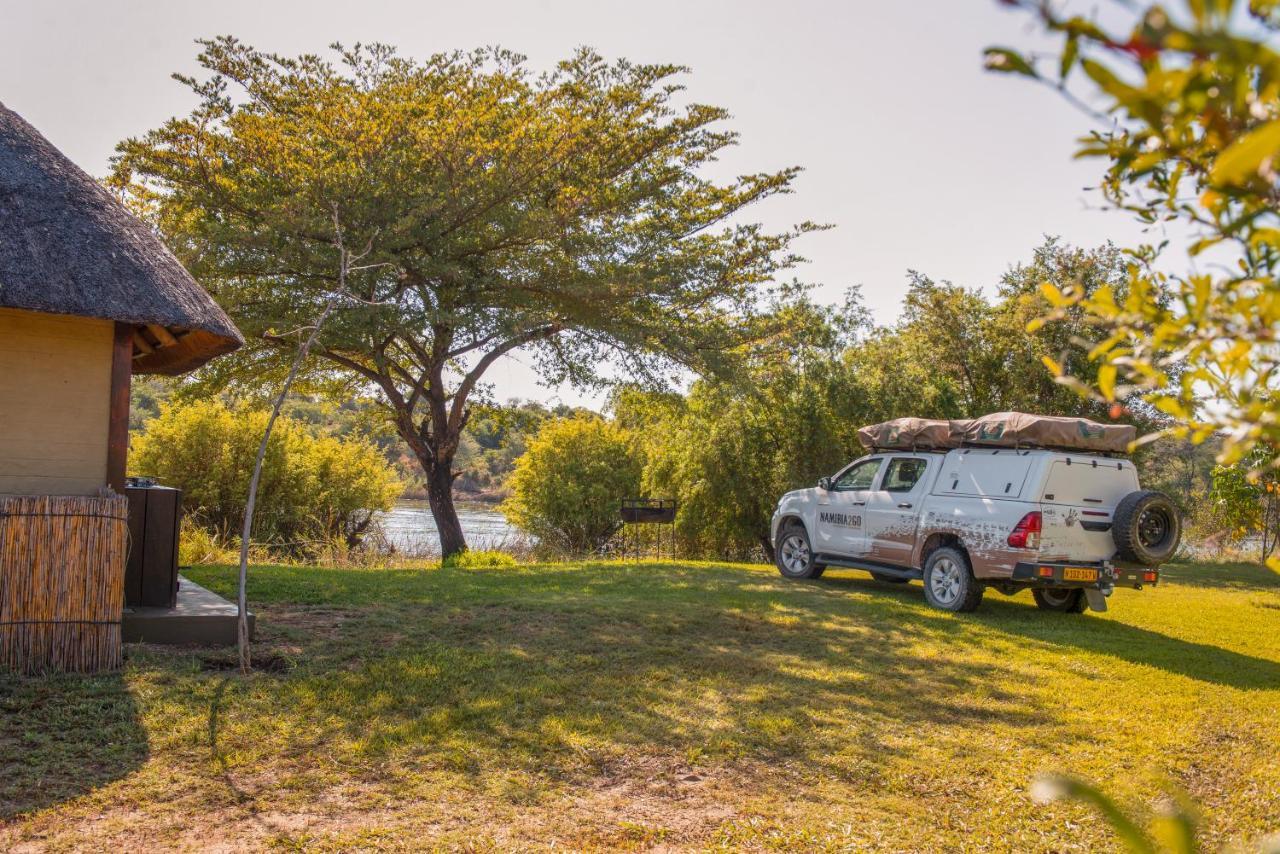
{"x": 410, "y": 528}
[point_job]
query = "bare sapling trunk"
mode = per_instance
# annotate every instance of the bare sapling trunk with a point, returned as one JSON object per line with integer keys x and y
{"x": 242, "y": 610}
{"x": 345, "y": 260}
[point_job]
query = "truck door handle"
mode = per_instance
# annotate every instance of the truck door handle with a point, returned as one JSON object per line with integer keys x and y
{"x": 905, "y": 505}
{"x": 859, "y": 504}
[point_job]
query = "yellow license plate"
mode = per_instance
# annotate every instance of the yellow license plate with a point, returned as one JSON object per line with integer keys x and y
{"x": 1073, "y": 573}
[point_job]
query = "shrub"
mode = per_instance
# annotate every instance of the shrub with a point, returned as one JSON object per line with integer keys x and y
{"x": 568, "y": 486}
{"x": 198, "y": 545}
{"x": 478, "y": 560}
{"x": 313, "y": 488}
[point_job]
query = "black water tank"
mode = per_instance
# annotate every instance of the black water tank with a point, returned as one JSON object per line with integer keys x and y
{"x": 155, "y": 518}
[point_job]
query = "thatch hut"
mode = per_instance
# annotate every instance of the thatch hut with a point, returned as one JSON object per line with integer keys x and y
{"x": 88, "y": 297}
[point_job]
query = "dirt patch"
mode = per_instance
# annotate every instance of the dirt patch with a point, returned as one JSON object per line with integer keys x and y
{"x": 317, "y": 622}
{"x": 224, "y": 660}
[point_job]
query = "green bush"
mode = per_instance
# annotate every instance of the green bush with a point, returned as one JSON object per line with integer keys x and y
{"x": 313, "y": 488}
{"x": 568, "y": 486}
{"x": 478, "y": 560}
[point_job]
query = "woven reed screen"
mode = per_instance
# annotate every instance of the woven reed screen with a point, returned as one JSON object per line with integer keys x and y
{"x": 61, "y": 582}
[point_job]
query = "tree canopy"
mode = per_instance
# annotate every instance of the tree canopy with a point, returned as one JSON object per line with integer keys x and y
{"x": 727, "y": 451}
{"x": 459, "y": 208}
{"x": 1189, "y": 130}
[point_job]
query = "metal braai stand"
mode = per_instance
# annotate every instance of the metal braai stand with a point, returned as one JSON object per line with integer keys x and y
{"x": 155, "y": 519}
{"x": 645, "y": 519}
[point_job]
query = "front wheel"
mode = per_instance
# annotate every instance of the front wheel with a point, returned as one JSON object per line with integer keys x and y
{"x": 949, "y": 583}
{"x": 794, "y": 555}
{"x": 1071, "y": 601}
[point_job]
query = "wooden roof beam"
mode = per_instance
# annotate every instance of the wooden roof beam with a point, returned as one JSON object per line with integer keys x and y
{"x": 141, "y": 346}
{"x": 164, "y": 337}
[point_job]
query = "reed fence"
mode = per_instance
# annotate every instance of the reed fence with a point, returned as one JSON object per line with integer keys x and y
{"x": 62, "y": 562}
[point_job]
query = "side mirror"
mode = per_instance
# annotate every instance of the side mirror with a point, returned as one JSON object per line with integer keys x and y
{"x": 824, "y": 483}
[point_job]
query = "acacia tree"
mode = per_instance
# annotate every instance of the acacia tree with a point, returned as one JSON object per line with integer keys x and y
{"x": 564, "y": 213}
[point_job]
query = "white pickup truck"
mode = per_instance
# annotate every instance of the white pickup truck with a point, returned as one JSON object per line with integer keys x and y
{"x": 1070, "y": 525}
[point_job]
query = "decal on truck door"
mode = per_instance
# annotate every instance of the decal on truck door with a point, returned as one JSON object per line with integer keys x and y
{"x": 841, "y": 520}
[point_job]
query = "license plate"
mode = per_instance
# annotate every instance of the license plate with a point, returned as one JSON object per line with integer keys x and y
{"x": 1073, "y": 573}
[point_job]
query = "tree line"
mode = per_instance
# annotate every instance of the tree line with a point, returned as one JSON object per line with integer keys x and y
{"x": 726, "y": 450}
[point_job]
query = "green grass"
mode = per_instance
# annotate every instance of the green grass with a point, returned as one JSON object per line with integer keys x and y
{"x": 627, "y": 705}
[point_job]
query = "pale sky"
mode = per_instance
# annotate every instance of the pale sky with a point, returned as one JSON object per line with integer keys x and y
{"x": 920, "y": 158}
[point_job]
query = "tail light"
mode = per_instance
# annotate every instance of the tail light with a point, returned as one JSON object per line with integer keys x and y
{"x": 1026, "y": 534}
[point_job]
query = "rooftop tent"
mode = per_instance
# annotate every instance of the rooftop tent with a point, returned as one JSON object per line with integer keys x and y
{"x": 912, "y": 434}
{"x": 67, "y": 247}
{"x": 998, "y": 430}
{"x": 1022, "y": 430}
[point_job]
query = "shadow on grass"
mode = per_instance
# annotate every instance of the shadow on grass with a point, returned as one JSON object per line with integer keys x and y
{"x": 561, "y": 672}
{"x": 1227, "y": 576}
{"x": 564, "y": 672}
{"x": 63, "y": 736}
{"x": 1107, "y": 637}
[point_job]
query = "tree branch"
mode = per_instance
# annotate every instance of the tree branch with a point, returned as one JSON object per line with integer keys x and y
{"x": 473, "y": 376}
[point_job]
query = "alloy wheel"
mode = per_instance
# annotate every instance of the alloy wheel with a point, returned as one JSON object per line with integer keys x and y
{"x": 944, "y": 581}
{"x": 795, "y": 553}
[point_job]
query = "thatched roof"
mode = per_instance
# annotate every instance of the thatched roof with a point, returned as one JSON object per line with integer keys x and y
{"x": 68, "y": 247}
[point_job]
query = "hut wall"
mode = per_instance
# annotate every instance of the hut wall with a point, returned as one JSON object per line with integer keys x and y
{"x": 55, "y": 387}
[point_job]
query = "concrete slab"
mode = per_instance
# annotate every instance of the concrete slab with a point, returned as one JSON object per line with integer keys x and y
{"x": 199, "y": 616}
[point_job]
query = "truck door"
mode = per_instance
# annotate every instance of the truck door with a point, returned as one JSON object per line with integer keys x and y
{"x": 893, "y": 509}
{"x": 842, "y": 508}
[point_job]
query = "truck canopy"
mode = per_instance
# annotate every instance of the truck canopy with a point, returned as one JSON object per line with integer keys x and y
{"x": 999, "y": 430}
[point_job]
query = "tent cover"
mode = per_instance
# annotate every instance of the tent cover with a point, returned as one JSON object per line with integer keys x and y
{"x": 999, "y": 430}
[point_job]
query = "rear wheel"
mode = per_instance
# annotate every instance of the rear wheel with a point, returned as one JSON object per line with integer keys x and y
{"x": 794, "y": 555}
{"x": 1069, "y": 601}
{"x": 948, "y": 581}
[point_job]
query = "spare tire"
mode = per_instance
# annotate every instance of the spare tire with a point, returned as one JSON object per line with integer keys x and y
{"x": 1146, "y": 528}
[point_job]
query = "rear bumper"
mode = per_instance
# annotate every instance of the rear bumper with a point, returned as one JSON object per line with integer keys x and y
{"x": 1052, "y": 574}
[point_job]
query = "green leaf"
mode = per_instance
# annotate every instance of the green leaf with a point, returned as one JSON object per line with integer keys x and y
{"x": 1109, "y": 82}
{"x": 1243, "y": 157}
{"x": 1130, "y": 834}
{"x": 1007, "y": 62}
{"x": 1107, "y": 381}
{"x": 1069, "y": 53}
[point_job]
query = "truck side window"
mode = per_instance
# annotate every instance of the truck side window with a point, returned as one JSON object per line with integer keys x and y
{"x": 903, "y": 474}
{"x": 860, "y": 476}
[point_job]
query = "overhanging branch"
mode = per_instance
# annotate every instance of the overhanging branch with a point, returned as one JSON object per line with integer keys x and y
{"x": 473, "y": 376}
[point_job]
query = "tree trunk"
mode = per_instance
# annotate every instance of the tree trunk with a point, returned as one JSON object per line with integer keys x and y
{"x": 767, "y": 545}
{"x": 440, "y": 497}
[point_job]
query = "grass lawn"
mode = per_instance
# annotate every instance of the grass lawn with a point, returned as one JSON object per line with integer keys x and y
{"x": 628, "y": 705}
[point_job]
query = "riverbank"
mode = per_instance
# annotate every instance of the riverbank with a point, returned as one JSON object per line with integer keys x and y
{"x": 411, "y": 529}
{"x": 487, "y": 497}
{"x": 651, "y": 705}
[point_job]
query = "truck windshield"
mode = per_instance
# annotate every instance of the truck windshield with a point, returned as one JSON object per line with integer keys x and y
{"x": 860, "y": 476}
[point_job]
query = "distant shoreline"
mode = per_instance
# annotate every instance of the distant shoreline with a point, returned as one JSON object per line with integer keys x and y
{"x": 488, "y": 497}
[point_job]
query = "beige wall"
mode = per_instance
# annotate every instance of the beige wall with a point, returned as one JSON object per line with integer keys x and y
{"x": 55, "y": 386}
